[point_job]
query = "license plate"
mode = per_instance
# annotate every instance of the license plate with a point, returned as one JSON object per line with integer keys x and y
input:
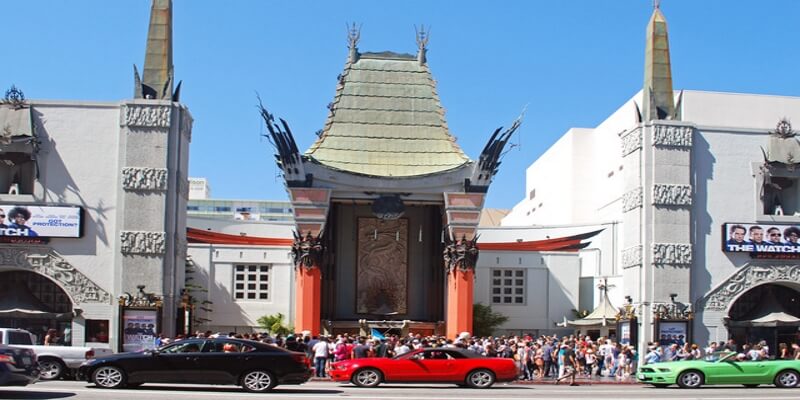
{"x": 641, "y": 376}
{"x": 27, "y": 361}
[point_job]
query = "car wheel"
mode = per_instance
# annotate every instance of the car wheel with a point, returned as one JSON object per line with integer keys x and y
{"x": 751, "y": 385}
{"x": 51, "y": 369}
{"x": 690, "y": 379}
{"x": 258, "y": 381}
{"x": 660, "y": 385}
{"x": 787, "y": 379}
{"x": 109, "y": 377}
{"x": 480, "y": 379}
{"x": 367, "y": 377}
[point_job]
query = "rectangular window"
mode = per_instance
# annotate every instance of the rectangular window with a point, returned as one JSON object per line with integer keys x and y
{"x": 512, "y": 290}
{"x": 253, "y": 285}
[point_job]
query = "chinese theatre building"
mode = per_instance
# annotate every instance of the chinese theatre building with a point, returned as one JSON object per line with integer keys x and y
{"x": 378, "y": 199}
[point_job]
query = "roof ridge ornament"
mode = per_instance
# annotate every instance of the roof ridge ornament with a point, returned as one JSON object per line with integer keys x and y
{"x": 353, "y": 36}
{"x": 14, "y": 97}
{"x": 784, "y": 129}
{"x": 489, "y": 160}
{"x": 656, "y": 4}
{"x": 422, "y": 42}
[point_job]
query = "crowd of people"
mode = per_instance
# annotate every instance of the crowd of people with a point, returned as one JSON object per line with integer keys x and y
{"x": 538, "y": 358}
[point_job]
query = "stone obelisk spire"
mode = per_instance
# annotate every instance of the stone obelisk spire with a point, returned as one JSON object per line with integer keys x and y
{"x": 658, "y": 101}
{"x": 157, "y": 80}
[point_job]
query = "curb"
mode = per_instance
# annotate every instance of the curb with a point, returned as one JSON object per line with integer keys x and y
{"x": 581, "y": 382}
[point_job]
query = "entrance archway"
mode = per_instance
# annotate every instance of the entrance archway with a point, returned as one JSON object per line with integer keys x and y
{"x": 769, "y": 312}
{"x": 35, "y": 303}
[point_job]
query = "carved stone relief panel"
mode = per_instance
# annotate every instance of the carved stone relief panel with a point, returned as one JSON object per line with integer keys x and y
{"x": 632, "y": 199}
{"x": 631, "y": 141}
{"x": 382, "y": 270}
{"x": 146, "y": 116}
{"x": 143, "y": 242}
{"x": 144, "y": 178}
{"x": 47, "y": 262}
{"x": 672, "y": 195}
{"x": 632, "y": 256}
{"x": 673, "y": 136}
{"x": 672, "y": 253}
{"x": 723, "y": 296}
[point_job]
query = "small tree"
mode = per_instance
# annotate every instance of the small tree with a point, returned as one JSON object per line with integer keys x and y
{"x": 485, "y": 321}
{"x": 274, "y": 324}
{"x": 196, "y": 291}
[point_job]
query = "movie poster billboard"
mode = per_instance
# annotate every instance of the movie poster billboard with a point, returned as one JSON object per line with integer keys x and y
{"x": 676, "y": 332}
{"x": 762, "y": 239}
{"x": 31, "y": 221}
{"x": 625, "y": 333}
{"x": 139, "y": 329}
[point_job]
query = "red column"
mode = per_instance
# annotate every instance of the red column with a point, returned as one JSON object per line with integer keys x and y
{"x": 308, "y": 294}
{"x": 460, "y": 288}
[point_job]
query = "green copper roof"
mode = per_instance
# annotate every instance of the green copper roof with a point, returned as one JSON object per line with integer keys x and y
{"x": 658, "y": 101}
{"x": 386, "y": 120}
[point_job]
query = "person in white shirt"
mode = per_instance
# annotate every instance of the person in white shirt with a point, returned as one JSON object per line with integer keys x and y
{"x": 321, "y": 353}
{"x": 401, "y": 348}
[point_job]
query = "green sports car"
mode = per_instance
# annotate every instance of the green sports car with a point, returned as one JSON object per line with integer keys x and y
{"x": 721, "y": 369}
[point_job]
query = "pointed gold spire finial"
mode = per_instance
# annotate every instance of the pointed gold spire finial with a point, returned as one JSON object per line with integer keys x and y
{"x": 657, "y": 100}
{"x": 157, "y": 76}
{"x": 422, "y": 42}
{"x": 353, "y": 36}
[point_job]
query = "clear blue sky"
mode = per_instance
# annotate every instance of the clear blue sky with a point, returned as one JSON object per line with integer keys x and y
{"x": 572, "y": 62}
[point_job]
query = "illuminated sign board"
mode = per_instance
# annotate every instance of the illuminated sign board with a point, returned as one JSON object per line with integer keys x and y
{"x": 762, "y": 240}
{"x": 33, "y": 221}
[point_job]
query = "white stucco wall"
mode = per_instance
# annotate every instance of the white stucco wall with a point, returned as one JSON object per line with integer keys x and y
{"x": 215, "y": 269}
{"x": 79, "y": 162}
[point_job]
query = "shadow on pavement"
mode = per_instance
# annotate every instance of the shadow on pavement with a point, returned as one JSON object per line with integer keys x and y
{"x": 228, "y": 389}
{"x": 29, "y": 394}
{"x": 496, "y": 386}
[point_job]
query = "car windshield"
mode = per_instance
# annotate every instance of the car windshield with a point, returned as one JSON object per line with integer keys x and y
{"x": 187, "y": 347}
{"x": 721, "y": 356}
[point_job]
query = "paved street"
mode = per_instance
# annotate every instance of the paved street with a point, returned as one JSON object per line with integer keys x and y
{"x": 328, "y": 390}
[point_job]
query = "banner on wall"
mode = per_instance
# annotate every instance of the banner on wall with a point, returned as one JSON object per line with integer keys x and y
{"x": 762, "y": 239}
{"x": 139, "y": 330}
{"x": 31, "y": 221}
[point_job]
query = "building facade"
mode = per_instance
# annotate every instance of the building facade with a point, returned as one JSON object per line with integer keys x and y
{"x": 104, "y": 224}
{"x": 680, "y": 174}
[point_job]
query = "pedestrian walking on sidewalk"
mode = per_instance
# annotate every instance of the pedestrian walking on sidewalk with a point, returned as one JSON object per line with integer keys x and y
{"x": 570, "y": 366}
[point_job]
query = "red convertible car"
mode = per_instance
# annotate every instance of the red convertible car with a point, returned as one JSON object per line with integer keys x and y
{"x": 440, "y": 365}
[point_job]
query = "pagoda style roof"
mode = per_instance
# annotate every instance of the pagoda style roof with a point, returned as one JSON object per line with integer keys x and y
{"x": 386, "y": 120}
{"x": 604, "y": 314}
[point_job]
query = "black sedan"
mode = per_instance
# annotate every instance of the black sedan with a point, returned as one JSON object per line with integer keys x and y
{"x": 17, "y": 366}
{"x": 256, "y": 366}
